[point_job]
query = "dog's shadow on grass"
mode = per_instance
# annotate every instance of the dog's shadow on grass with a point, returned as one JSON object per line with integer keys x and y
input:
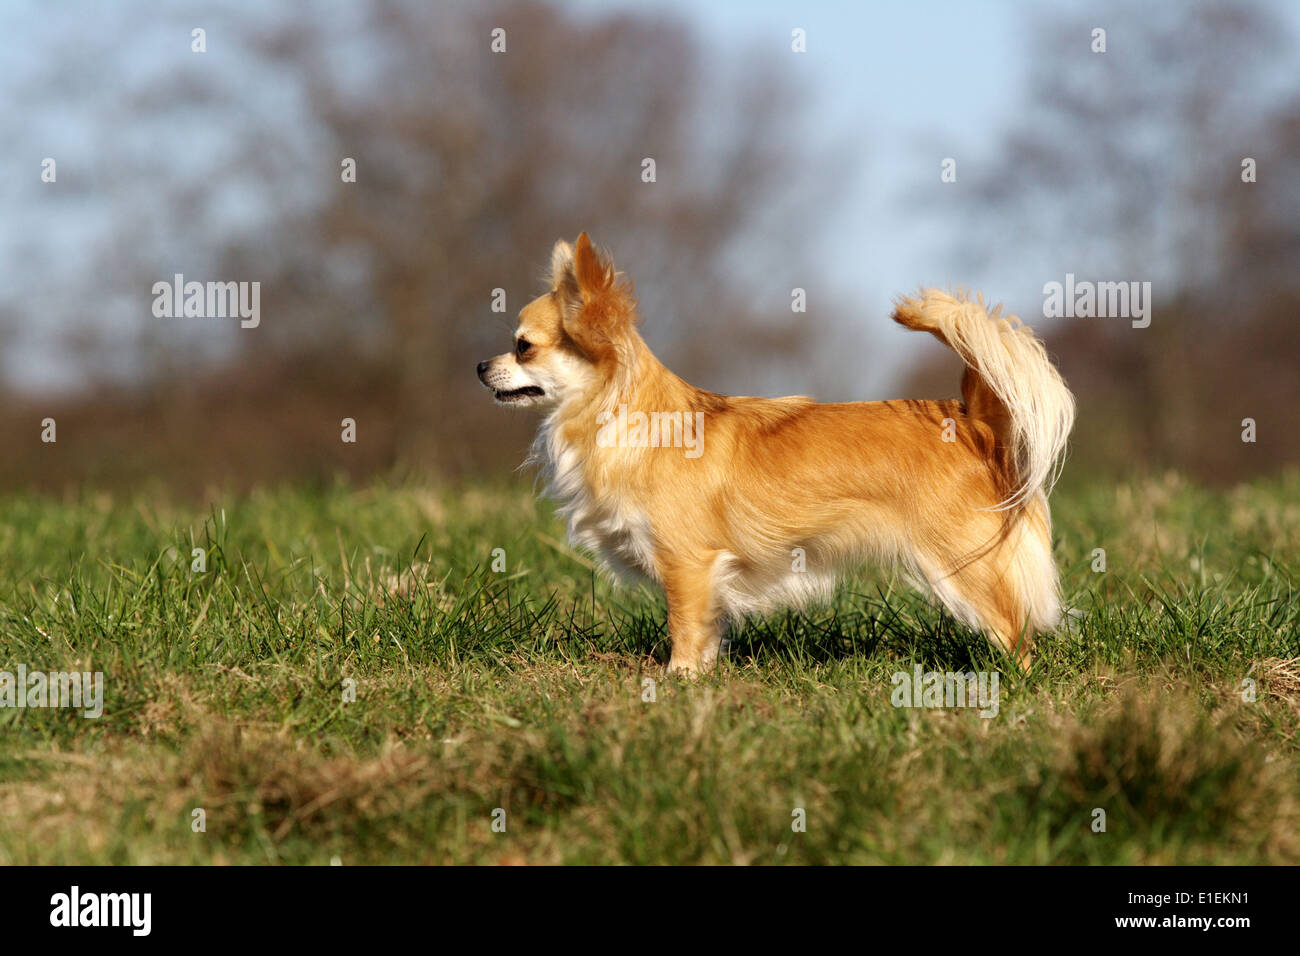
{"x": 813, "y": 639}
{"x": 857, "y": 626}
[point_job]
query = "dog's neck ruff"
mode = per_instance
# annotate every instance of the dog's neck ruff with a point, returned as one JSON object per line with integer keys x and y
{"x": 616, "y": 532}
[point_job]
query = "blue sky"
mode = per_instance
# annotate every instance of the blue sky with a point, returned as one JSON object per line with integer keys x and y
{"x": 897, "y": 86}
{"x": 863, "y": 92}
{"x": 912, "y": 83}
{"x": 908, "y": 84}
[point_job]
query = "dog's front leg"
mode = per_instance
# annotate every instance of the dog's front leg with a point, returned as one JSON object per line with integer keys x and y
{"x": 692, "y": 617}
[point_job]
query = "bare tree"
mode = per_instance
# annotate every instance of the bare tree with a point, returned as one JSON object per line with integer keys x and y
{"x": 472, "y": 157}
{"x": 471, "y": 163}
{"x": 1128, "y": 164}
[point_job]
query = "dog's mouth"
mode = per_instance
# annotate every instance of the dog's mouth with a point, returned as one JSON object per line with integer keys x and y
{"x": 518, "y": 394}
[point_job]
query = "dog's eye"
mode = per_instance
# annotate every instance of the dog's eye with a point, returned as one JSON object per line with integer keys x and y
{"x": 522, "y": 347}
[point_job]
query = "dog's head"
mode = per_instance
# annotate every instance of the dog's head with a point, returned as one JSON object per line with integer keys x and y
{"x": 570, "y": 340}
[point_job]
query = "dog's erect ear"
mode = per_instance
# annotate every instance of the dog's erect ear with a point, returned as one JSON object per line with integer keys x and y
{"x": 561, "y": 264}
{"x": 597, "y": 309}
{"x": 564, "y": 282}
{"x": 595, "y": 273}
{"x": 579, "y": 273}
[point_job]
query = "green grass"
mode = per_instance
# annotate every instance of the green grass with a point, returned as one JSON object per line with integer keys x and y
{"x": 524, "y": 690}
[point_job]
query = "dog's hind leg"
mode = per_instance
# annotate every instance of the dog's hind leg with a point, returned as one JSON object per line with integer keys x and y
{"x": 979, "y": 596}
{"x": 1009, "y": 591}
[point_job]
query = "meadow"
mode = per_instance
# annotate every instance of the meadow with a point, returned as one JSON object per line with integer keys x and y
{"x": 400, "y": 672}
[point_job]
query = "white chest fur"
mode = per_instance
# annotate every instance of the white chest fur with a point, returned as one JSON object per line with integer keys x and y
{"x": 619, "y": 534}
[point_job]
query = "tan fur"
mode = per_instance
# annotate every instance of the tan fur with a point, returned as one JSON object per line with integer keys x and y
{"x": 848, "y": 482}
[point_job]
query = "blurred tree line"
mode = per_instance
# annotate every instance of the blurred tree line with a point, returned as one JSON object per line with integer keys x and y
{"x": 377, "y": 294}
{"x": 1128, "y": 165}
{"x": 470, "y": 162}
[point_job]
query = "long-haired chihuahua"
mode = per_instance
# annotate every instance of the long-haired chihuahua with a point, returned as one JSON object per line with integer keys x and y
{"x": 739, "y": 505}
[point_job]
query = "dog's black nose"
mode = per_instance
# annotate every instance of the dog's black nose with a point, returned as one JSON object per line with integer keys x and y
{"x": 482, "y": 367}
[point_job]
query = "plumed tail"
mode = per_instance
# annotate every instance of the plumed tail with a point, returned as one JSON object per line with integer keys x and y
{"x": 1010, "y": 385}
